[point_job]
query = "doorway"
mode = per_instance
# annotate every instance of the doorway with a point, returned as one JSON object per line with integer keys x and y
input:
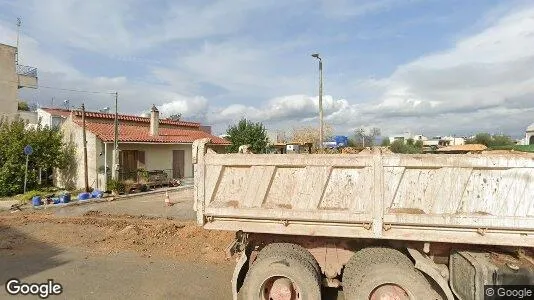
{"x": 178, "y": 161}
{"x": 531, "y": 140}
{"x": 128, "y": 163}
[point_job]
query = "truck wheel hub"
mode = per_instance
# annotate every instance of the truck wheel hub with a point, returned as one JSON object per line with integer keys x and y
{"x": 280, "y": 288}
{"x": 389, "y": 292}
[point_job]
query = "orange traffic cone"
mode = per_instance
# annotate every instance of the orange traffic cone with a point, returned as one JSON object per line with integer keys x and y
{"x": 167, "y": 199}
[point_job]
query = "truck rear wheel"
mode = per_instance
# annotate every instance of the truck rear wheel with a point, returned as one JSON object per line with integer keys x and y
{"x": 289, "y": 249}
{"x": 281, "y": 277}
{"x": 384, "y": 273}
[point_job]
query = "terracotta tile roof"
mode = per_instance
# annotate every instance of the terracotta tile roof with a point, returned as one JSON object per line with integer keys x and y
{"x": 57, "y": 112}
{"x": 140, "y": 133}
{"x": 109, "y": 116}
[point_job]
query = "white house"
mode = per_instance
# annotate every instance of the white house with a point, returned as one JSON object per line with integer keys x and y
{"x": 406, "y": 136}
{"x": 150, "y": 144}
{"x": 529, "y": 136}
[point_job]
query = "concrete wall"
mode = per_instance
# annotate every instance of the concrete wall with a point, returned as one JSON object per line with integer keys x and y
{"x": 8, "y": 81}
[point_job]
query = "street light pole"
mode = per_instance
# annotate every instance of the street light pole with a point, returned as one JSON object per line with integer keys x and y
{"x": 321, "y": 128}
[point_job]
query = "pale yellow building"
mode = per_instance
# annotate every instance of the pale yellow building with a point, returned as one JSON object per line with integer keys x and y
{"x": 12, "y": 78}
{"x": 150, "y": 144}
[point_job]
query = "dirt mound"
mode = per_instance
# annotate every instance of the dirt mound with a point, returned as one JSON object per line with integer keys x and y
{"x": 110, "y": 233}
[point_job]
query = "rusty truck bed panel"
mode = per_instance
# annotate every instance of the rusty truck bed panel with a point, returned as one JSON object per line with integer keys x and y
{"x": 448, "y": 198}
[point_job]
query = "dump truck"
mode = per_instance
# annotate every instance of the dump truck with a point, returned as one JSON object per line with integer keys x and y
{"x": 377, "y": 226}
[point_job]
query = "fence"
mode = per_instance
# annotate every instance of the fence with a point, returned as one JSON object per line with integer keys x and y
{"x": 149, "y": 177}
{"x": 26, "y": 71}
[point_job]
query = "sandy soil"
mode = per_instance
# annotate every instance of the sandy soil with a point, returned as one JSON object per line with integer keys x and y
{"x": 107, "y": 234}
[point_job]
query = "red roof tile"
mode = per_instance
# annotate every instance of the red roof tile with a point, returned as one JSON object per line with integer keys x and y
{"x": 109, "y": 116}
{"x": 140, "y": 133}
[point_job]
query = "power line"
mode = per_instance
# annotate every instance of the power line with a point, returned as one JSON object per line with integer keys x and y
{"x": 74, "y": 90}
{"x": 65, "y": 89}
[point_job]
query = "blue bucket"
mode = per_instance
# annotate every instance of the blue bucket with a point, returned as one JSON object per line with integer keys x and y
{"x": 65, "y": 198}
{"x": 36, "y": 200}
{"x": 84, "y": 196}
{"x": 97, "y": 194}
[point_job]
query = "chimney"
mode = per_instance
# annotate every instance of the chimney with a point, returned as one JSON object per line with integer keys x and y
{"x": 154, "y": 121}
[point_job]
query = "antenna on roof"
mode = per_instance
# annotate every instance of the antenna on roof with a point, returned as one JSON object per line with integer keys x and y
{"x": 18, "y": 36}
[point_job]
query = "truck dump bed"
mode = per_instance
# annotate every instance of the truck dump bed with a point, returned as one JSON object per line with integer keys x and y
{"x": 476, "y": 199}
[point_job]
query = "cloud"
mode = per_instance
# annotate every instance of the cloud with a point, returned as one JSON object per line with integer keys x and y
{"x": 491, "y": 69}
{"x": 122, "y": 28}
{"x": 351, "y": 8}
{"x": 202, "y": 59}
{"x": 189, "y": 107}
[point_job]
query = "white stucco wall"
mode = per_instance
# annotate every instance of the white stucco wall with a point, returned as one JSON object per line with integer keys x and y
{"x": 73, "y": 133}
{"x": 527, "y": 137}
{"x": 159, "y": 156}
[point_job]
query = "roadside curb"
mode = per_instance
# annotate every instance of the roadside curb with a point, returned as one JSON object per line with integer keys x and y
{"x": 108, "y": 199}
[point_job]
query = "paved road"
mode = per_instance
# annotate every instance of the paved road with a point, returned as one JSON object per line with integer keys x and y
{"x": 123, "y": 275}
{"x": 84, "y": 275}
{"x": 152, "y": 205}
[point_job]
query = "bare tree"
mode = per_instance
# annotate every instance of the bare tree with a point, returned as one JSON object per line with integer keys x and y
{"x": 175, "y": 117}
{"x": 366, "y": 136}
{"x": 310, "y": 134}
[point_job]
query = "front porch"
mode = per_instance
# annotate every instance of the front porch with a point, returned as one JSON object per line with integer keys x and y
{"x": 153, "y": 165}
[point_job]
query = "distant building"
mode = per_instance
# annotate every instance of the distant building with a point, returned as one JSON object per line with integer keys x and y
{"x": 454, "y": 141}
{"x": 12, "y": 78}
{"x": 529, "y": 136}
{"x": 406, "y": 136}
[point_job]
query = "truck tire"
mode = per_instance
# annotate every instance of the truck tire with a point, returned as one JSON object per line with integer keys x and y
{"x": 290, "y": 250}
{"x": 279, "y": 276}
{"x": 372, "y": 273}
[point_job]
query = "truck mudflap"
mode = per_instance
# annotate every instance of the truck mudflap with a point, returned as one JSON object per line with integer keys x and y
{"x": 240, "y": 262}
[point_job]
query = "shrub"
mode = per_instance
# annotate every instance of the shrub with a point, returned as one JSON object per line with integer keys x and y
{"x": 115, "y": 186}
{"x": 24, "y": 198}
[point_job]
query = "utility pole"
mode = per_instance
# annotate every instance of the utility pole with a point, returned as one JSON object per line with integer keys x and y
{"x": 86, "y": 175}
{"x": 321, "y": 130}
{"x": 115, "y": 152}
{"x": 19, "y": 22}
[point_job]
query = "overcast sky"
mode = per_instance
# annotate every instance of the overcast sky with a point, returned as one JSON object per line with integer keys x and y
{"x": 431, "y": 67}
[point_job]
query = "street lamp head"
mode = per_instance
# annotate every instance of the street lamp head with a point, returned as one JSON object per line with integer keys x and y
{"x": 316, "y": 55}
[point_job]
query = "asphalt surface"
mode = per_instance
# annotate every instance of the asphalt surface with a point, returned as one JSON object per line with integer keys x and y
{"x": 84, "y": 275}
{"x": 152, "y": 205}
{"x": 87, "y": 274}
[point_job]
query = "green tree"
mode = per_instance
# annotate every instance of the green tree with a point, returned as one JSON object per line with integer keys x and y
{"x": 23, "y": 106}
{"x": 491, "y": 140}
{"x": 502, "y": 140}
{"x": 385, "y": 142}
{"x": 410, "y": 147}
{"x": 246, "y": 132}
{"x": 481, "y": 138}
{"x": 49, "y": 152}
